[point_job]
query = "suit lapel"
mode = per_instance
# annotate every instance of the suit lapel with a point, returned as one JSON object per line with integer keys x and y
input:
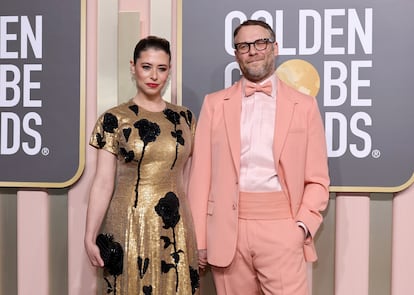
{"x": 284, "y": 112}
{"x": 232, "y": 113}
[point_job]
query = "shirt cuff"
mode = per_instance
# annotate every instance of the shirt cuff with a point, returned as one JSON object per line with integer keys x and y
{"x": 303, "y": 226}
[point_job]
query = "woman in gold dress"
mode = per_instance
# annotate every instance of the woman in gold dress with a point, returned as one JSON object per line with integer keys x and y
{"x": 138, "y": 195}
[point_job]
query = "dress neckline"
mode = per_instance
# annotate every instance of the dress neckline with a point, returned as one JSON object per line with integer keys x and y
{"x": 147, "y": 110}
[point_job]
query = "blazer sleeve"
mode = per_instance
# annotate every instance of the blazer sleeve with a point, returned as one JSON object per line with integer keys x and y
{"x": 200, "y": 175}
{"x": 316, "y": 187}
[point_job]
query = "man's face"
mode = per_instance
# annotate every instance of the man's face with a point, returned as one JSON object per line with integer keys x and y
{"x": 256, "y": 65}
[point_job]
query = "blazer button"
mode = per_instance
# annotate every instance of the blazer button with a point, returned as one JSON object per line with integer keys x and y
{"x": 234, "y": 206}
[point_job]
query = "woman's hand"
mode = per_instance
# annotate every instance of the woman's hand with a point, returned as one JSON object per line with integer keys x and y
{"x": 93, "y": 253}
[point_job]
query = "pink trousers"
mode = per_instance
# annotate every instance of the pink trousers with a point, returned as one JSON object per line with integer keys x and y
{"x": 269, "y": 257}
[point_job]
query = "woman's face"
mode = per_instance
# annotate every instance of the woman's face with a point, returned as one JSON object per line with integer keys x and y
{"x": 151, "y": 71}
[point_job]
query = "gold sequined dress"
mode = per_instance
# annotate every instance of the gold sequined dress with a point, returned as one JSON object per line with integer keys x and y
{"x": 148, "y": 213}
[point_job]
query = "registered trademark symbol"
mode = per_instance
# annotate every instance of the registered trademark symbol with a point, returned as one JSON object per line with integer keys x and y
{"x": 376, "y": 154}
{"x": 45, "y": 151}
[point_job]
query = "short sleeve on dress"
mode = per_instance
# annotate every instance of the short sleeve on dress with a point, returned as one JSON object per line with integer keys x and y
{"x": 104, "y": 134}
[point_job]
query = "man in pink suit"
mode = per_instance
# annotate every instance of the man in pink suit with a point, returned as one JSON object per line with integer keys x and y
{"x": 259, "y": 176}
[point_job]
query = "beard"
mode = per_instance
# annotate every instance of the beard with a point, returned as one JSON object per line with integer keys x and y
{"x": 257, "y": 74}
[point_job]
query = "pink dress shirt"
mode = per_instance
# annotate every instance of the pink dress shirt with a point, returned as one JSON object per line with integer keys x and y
{"x": 257, "y": 168}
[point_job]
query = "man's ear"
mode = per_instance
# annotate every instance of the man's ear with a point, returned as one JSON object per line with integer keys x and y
{"x": 236, "y": 56}
{"x": 275, "y": 49}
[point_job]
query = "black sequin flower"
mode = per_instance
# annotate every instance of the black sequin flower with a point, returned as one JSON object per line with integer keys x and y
{"x": 148, "y": 132}
{"x": 100, "y": 140}
{"x": 134, "y": 108}
{"x": 188, "y": 117}
{"x": 127, "y": 133}
{"x": 110, "y": 122}
{"x": 128, "y": 155}
{"x": 174, "y": 118}
{"x": 142, "y": 266}
{"x": 168, "y": 209}
{"x": 147, "y": 290}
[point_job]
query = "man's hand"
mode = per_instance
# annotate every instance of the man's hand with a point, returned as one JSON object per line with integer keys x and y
{"x": 202, "y": 258}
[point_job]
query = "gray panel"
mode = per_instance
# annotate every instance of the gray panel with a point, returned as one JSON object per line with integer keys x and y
{"x": 58, "y": 243}
{"x": 8, "y": 241}
{"x": 377, "y": 151}
{"x": 323, "y": 270}
{"x": 48, "y": 147}
{"x": 380, "y": 244}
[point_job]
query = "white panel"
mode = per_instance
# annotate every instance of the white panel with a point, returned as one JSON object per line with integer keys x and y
{"x": 32, "y": 243}
{"x": 352, "y": 245}
{"x": 107, "y": 55}
{"x": 128, "y": 35}
{"x": 323, "y": 269}
{"x": 161, "y": 20}
{"x": 81, "y": 276}
{"x": 403, "y": 241}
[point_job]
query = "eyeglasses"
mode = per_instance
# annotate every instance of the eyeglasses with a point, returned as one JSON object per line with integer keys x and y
{"x": 259, "y": 45}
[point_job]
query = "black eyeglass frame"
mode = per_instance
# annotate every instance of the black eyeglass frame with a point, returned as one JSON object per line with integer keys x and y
{"x": 266, "y": 41}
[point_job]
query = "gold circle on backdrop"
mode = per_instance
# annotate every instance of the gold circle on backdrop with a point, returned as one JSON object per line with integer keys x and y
{"x": 301, "y": 75}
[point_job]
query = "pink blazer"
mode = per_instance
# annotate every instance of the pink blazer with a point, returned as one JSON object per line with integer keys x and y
{"x": 300, "y": 157}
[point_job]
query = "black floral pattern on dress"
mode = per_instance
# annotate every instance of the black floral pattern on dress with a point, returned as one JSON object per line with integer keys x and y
{"x": 127, "y": 133}
{"x": 148, "y": 132}
{"x": 147, "y": 290}
{"x": 100, "y": 140}
{"x": 127, "y": 155}
{"x": 142, "y": 269}
{"x": 110, "y": 122}
{"x": 134, "y": 108}
{"x": 188, "y": 117}
{"x": 195, "y": 280}
{"x": 109, "y": 287}
{"x": 168, "y": 209}
{"x": 142, "y": 266}
{"x": 174, "y": 118}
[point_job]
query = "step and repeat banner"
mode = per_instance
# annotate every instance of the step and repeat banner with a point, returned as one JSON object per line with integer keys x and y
{"x": 354, "y": 56}
{"x": 41, "y": 92}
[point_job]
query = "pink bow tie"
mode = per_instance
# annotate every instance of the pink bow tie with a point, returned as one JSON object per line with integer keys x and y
{"x": 251, "y": 88}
